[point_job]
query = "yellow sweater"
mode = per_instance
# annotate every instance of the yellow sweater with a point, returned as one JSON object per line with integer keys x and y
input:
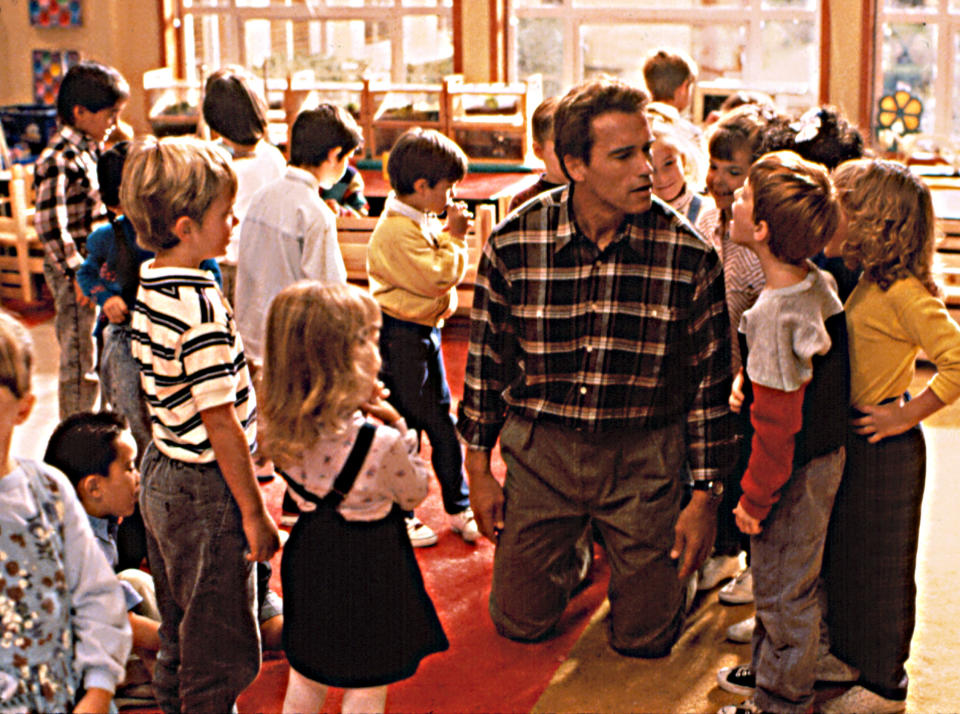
{"x": 414, "y": 269}
{"x": 888, "y": 329}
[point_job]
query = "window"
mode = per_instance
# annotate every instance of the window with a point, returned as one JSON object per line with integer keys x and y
{"x": 771, "y": 45}
{"x": 918, "y": 51}
{"x": 339, "y": 40}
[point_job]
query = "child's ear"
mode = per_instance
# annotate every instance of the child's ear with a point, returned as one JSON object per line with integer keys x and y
{"x": 761, "y": 231}
{"x": 333, "y": 156}
{"x": 89, "y": 487}
{"x": 183, "y": 227}
{"x": 537, "y": 149}
{"x": 24, "y": 407}
{"x": 421, "y": 185}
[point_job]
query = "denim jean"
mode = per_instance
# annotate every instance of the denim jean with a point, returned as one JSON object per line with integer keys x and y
{"x": 77, "y": 387}
{"x": 786, "y": 561}
{"x": 206, "y": 589}
{"x": 414, "y": 373}
{"x": 120, "y": 383}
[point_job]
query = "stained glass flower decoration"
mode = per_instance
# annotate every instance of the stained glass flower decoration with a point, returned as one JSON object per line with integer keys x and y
{"x": 900, "y": 112}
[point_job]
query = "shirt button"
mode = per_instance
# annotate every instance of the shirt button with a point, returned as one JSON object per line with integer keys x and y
{"x": 583, "y": 390}
{"x": 589, "y": 348}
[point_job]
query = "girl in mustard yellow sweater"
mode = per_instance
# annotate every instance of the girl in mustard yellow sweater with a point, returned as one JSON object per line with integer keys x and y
{"x": 893, "y": 313}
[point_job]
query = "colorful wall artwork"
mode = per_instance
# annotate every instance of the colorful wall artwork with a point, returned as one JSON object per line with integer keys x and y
{"x": 56, "y": 13}
{"x": 49, "y": 66}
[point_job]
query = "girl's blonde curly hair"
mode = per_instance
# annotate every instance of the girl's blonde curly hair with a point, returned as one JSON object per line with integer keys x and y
{"x": 320, "y": 363}
{"x": 891, "y": 228}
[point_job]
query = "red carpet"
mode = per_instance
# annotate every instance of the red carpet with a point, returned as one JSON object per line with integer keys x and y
{"x": 481, "y": 672}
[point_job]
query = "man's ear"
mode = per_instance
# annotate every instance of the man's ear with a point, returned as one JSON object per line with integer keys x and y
{"x": 575, "y": 167}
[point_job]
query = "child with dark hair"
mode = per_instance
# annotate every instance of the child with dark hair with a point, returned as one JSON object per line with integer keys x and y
{"x": 543, "y": 149}
{"x": 289, "y": 232}
{"x": 65, "y": 633}
{"x": 90, "y": 98}
{"x": 97, "y": 453}
{"x": 414, "y": 264}
{"x": 236, "y": 110}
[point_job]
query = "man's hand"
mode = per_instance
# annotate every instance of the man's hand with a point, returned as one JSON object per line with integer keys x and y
{"x": 695, "y": 532}
{"x": 115, "y": 309}
{"x": 486, "y": 494}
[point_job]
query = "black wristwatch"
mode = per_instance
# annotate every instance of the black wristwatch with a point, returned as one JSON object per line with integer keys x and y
{"x": 714, "y": 488}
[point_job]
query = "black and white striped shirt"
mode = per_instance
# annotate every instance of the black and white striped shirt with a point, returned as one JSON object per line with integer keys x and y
{"x": 191, "y": 358}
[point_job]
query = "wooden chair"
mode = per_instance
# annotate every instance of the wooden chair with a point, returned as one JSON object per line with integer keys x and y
{"x": 21, "y": 253}
{"x": 353, "y": 234}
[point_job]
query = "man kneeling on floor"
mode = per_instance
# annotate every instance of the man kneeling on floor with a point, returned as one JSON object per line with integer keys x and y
{"x": 600, "y": 358}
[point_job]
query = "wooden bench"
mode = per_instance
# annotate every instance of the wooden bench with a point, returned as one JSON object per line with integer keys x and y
{"x": 21, "y": 253}
{"x": 354, "y": 235}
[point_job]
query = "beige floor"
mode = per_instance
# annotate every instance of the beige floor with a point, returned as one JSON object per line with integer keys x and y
{"x": 595, "y": 679}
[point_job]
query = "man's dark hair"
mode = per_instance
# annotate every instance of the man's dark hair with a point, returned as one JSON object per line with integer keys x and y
{"x": 424, "y": 154}
{"x": 84, "y": 444}
{"x": 233, "y": 108}
{"x": 316, "y": 131}
{"x": 90, "y": 85}
{"x": 572, "y": 122}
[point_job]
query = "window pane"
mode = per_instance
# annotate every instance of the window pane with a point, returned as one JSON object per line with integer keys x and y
{"x": 334, "y": 50}
{"x": 909, "y": 4}
{"x": 789, "y": 53}
{"x": 427, "y": 48}
{"x": 909, "y": 62}
{"x": 719, "y": 51}
{"x": 620, "y": 49}
{"x": 791, "y": 4}
{"x": 659, "y": 4}
{"x": 540, "y": 50}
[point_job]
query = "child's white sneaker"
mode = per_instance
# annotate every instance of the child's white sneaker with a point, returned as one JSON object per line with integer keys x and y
{"x": 421, "y": 535}
{"x": 718, "y": 568}
{"x": 465, "y": 524}
{"x": 738, "y": 591}
{"x": 742, "y": 632}
{"x": 748, "y": 706}
{"x": 857, "y": 700}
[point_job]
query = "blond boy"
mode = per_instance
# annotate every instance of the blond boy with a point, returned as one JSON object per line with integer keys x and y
{"x": 205, "y": 517}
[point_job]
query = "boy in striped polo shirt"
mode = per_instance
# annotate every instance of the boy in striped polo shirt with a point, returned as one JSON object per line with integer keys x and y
{"x": 206, "y": 521}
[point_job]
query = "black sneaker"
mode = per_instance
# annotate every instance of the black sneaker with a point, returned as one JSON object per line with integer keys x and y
{"x": 738, "y": 680}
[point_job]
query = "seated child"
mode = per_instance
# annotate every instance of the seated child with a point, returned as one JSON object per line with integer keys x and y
{"x": 414, "y": 264}
{"x": 65, "y": 635}
{"x": 345, "y": 197}
{"x": 796, "y": 375}
{"x": 98, "y": 454}
{"x": 670, "y": 179}
{"x": 236, "y": 111}
{"x": 205, "y": 516}
{"x": 542, "y": 130}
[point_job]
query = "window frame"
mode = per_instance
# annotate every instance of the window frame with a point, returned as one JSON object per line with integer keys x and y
{"x": 574, "y": 17}
{"x": 392, "y": 13}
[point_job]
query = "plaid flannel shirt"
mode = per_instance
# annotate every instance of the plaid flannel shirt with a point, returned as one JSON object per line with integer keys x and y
{"x": 636, "y": 335}
{"x": 68, "y": 197}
